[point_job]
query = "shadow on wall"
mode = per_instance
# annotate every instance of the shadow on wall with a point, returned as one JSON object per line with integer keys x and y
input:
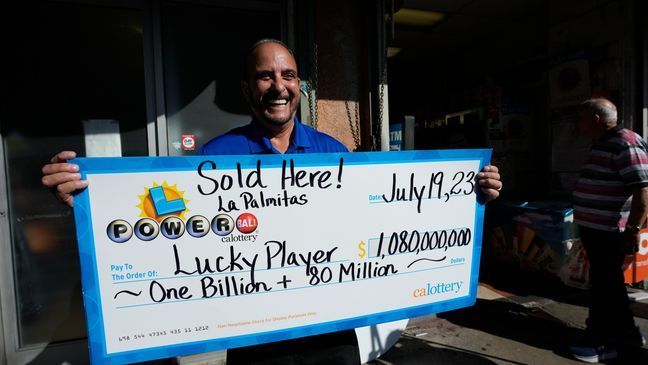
{"x": 204, "y": 44}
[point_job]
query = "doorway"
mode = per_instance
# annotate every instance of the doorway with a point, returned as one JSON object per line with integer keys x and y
{"x": 108, "y": 78}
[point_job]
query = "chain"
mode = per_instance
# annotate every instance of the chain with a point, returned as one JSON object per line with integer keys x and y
{"x": 354, "y": 123}
{"x": 312, "y": 97}
{"x": 381, "y": 100}
{"x": 308, "y": 88}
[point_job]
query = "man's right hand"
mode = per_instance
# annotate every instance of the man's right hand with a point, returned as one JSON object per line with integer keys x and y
{"x": 63, "y": 178}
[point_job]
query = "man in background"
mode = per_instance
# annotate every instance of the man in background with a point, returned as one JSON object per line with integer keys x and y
{"x": 610, "y": 208}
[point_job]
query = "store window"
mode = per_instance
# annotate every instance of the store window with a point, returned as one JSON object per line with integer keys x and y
{"x": 74, "y": 79}
{"x": 83, "y": 76}
{"x": 509, "y": 76}
{"x": 203, "y": 47}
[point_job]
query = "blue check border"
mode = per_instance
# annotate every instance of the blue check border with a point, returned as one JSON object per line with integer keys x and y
{"x": 89, "y": 272}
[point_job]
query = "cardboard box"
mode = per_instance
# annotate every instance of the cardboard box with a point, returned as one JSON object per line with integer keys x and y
{"x": 537, "y": 236}
{"x": 542, "y": 236}
{"x": 637, "y": 267}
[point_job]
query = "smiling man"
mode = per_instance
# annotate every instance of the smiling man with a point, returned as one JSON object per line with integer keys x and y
{"x": 270, "y": 84}
{"x": 271, "y": 87}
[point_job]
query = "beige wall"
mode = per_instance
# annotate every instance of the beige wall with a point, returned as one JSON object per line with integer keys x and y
{"x": 340, "y": 36}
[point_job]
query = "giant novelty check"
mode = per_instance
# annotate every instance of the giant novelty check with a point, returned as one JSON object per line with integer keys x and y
{"x": 183, "y": 255}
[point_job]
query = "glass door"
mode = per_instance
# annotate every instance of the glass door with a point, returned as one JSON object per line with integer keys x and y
{"x": 203, "y": 47}
{"x": 72, "y": 78}
{"x": 113, "y": 78}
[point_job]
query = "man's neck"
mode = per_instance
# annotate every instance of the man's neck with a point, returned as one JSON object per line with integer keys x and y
{"x": 279, "y": 135}
{"x": 605, "y": 128}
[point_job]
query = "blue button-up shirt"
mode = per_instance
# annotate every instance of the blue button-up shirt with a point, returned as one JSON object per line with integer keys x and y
{"x": 250, "y": 139}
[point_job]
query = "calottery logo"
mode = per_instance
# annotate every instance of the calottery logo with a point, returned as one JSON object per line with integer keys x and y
{"x": 437, "y": 289}
{"x": 163, "y": 209}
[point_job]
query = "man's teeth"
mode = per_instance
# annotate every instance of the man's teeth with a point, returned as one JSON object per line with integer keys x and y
{"x": 278, "y": 102}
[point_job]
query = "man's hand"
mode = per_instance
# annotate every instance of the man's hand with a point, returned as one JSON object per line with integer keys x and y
{"x": 630, "y": 244}
{"x": 489, "y": 182}
{"x": 636, "y": 219}
{"x": 63, "y": 178}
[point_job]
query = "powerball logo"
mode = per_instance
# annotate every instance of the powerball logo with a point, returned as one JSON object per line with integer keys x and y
{"x": 158, "y": 202}
{"x": 163, "y": 210}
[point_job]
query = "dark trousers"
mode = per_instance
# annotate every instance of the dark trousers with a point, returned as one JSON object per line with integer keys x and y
{"x": 331, "y": 348}
{"x": 610, "y": 317}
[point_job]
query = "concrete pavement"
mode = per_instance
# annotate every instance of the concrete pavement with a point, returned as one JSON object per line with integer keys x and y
{"x": 521, "y": 320}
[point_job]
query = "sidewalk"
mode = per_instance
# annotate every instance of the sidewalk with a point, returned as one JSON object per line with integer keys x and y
{"x": 519, "y": 318}
{"x": 522, "y": 321}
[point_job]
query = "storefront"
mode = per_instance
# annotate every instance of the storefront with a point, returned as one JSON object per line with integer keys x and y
{"x": 510, "y": 75}
{"x": 505, "y": 75}
{"x": 134, "y": 78}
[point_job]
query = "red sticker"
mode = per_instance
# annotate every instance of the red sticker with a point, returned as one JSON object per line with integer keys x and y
{"x": 188, "y": 142}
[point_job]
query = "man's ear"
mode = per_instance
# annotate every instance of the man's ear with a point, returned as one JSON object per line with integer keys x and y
{"x": 245, "y": 90}
{"x": 597, "y": 118}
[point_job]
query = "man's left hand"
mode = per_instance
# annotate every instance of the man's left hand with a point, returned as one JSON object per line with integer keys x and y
{"x": 489, "y": 182}
{"x": 630, "y": 244}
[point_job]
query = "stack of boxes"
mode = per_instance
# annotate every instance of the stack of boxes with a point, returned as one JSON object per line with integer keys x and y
{"x": 542, "y": 237}
{"x": 539, "y": 237}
